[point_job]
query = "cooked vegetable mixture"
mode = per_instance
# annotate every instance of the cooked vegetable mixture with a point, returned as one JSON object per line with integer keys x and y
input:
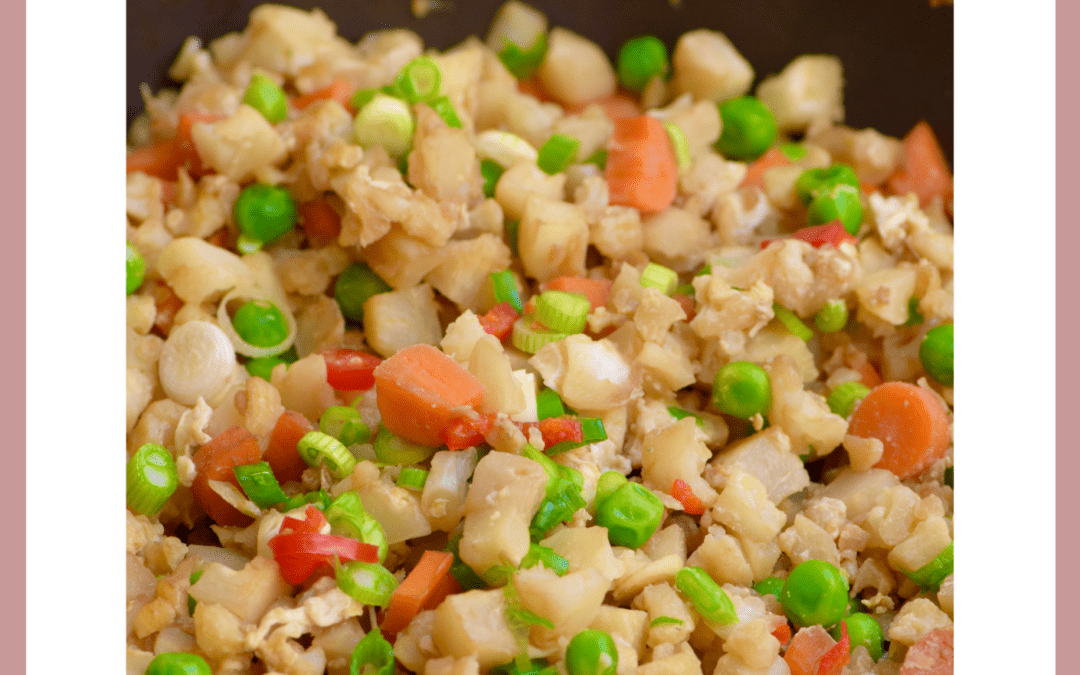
{"x": 513, "y": 360}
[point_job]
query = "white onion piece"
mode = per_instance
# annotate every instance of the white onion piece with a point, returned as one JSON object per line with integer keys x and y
{"x": 247, "y": 349}
{"x": 224, "y": 556}
{"x": 504, "y": 148}
{"x": 196, "y": 360}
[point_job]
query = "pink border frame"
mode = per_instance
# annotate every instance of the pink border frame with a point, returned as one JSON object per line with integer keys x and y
{"x": 1067, "y": 361}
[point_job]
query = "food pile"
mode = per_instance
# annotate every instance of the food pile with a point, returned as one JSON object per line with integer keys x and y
{"x": 509, "y": 360}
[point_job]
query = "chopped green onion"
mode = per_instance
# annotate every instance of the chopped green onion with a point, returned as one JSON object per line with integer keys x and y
{"x": 914, "y": 316}
{"x": 505, "y": 289}
{"x": 549, "y": 404}
{"x": 491, "y": 171}
{"x": 373, "y": 655}
{"x": 392, "y": 449}
{"x": 522, "y": 62}
{"x": 842, "y": 398}
{"x": 465, "y": 575}
{"x": 792, "y": 322}
{"x": 793, "y": 151}
{"x": 367, "y": 583}
{"x": 412, "y": 478}
{"x": 665, "y": 620}
{"x": 385, "y": 121}
{"x": 557, "y": 153}
{"x": 930, "y": 575}
{"x": 136, "y": 269}
{"x": 151, "y": 479}
{"x": 599, "y": 158}
{"x": 266, "y": 97}
{"x": 443, "y": 106}
{"x": 530, "y": 338}
{"x": 347, "y": 518}
{"x": 362, "y": 97}
{"x": 832, "y": 317}
{"x": 344, "y": 424}
{"x": 259, "y": 484}
{"x": 710, "y": 601}
{"x": 517, "y": 615}
{"x": 678, "y": 413}
{"x": 684, "y": 289}
{"x": 547, "y": 557}
{"x": 512, "y": 230}
{"x": 679, "y": 145}
{"x": 356, "y": 284}
{"x": 318, "y": 498}
{"x": 562, "y": 494}
{"x": 705, "y": 270}
{"x": 562, "y": 312}
{"x": 318, "y": 448}
{"x": 608, "y": 483}
{"x": 659, "y": 277}
{"x": 419, "y": 80}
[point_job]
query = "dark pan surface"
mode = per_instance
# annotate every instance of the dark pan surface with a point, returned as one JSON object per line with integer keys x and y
{"x": 897, "y": 55}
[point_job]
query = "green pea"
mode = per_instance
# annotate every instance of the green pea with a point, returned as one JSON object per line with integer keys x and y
{"x": 631, "y": 515}
{"x": 710, "y": 601}
{"x": 136, "y": 269}
{"x": 815, "y": 593}
{"x": 832, "y": 317}
{"x": 863, "y": 630}
{"x": 841, "y": 202}
{"x": 640, "y": 60}
{"x": 266, "y": 97}
{"x": 742, "y": 389}
{"x": 591, "y": 652}
{"x": 260, "y": 323}
{"x": 264, "y": 212}
{"x": 263, "y": 366}
{"x": 936, "y": 353}
{"x": 354, "y": 286}
{"x": 770, "y": 586}
{"x": 748, "y": 129}
{"x": 813, "y": 181}
{"x": 793, "y": 151}
{"x": 178, "y": 663}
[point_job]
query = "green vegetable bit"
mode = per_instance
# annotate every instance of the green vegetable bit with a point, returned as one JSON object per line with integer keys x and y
{"x": 742, "y": 389}
{"x": 631, "y": 514}
{"x": 843, "y": 397}
{"x": 710, "y": 601}
{"x": 814, "y": 181}
{"x": 264, "y": 95}
{"x": 770, "y": 586}
{"x": 264, "y": 212}
{"x": 356, "y": 284}
{"x": 936, "y": 353}
{"x": 373, "y": 655}
{"x": 261, "y": 324}
{"x": 748, "y": 129}
{"x": 136, "y": 269}
{"x": 840, "y": 202}
{"x": 815, "y": 593}
{"x": 862, "y": 629}
{"x": 832, "y": 317}
{"x": 640, "y": 60}
{"x": 591, "y": 652}
{"x": 178, "y": 663}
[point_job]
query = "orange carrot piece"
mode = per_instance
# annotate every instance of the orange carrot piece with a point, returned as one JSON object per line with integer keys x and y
{"x": 161, "y": 160}
{"x": 281, "y": 452}
{"x": 339, "y": 90}
{"x": 420, "y": 590}
{"x": 924, "y": 170}
{"x": 807, "y": 649}
{"x": 782, "y": 633}
{"x": 321, "y": 222}
{"x": 931, "y": 655}
{"x": 870, "y": 376}
{"x": 773, "y": 157}
{"x": 839, "y": 656}
{"x": 420, "y": 392}
{"x": 596, "y": 290}
{"x": 641, "y": 168}
{"x": 215, "y": 460}
{"x": 910, "y": 421}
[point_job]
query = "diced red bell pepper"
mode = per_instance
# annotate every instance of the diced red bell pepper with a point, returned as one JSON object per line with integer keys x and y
{"x": 300, "y": 548}
{"x": 466, "y": 432}
{"x": 681, "y": 491}
{"x": 819, "y": 235}
{"x": 839, "y": 656}
{"x": 782, "y": 633}
{"x": 350, "y": 369}
{"x": 499, "y": 320}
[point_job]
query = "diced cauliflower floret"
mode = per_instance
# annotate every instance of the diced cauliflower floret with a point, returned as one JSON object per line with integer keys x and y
{"x": 588, "y": 374}
{"x": 575, "y": 69}
{"x": 553, "y": 239}
{"x": 708, "y": 66}
{"x": 728, "y": 315}
{"x": 240, "y": 145}
{"x": 808, "y": 91}
{"x": 915, "y": 619}
{"x": 463, "y": 275}
{"x": 806, "y": 540}
{"x": 744, "y": 507}
{"x": 884, "y": 295}
{"x": 677, "y": 452}
{"x": 767, "y": 455}
{"x": 802, "y": 414}
{"x": 505, "y": 493}
{"x": 677, "y": 238}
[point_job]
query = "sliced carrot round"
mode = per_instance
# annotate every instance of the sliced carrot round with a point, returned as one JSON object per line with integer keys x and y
{"x": 641, "y": 168}
{"x": 911, "y": 423}
{"x": 420, "y": 391}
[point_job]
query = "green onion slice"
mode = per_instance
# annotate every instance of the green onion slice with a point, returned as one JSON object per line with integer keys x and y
{"x": 392, "y": 449}
{"x": 842, "y": 398}
{"x": 419, "y": 80}
{"x": 367, "y": 583}
{"x": 151, "y": 479}
{"x": 930, "y": 575}
{"x": 679, "y": 145}
{"x": 373, "y": 655}
{"x": 665, "y": 620}
{"x": 319, "y": 448}
{"x": 792, "y": 322}
{"x": 259, "y": 484}
{"x": 385, "y": 121}
{"x": 710, "y": 601}
{"x": 347, "y": 518}
{"x": 563, "y": 312}
{"x": 549, "y": 404}
{"x": 443, "y": 106}
{"x": 522, "y": 62}
{"x": 599, "y": 158}
{"x": 557, "y": 153}
{"x": 659, "y": 277}
{"x": 344, "y": 424}
{"x": 505, "y": 289}
{"x": 547, "y": 557}
{"x": 412, "y": 478}
{"x": 530, "y": 337}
